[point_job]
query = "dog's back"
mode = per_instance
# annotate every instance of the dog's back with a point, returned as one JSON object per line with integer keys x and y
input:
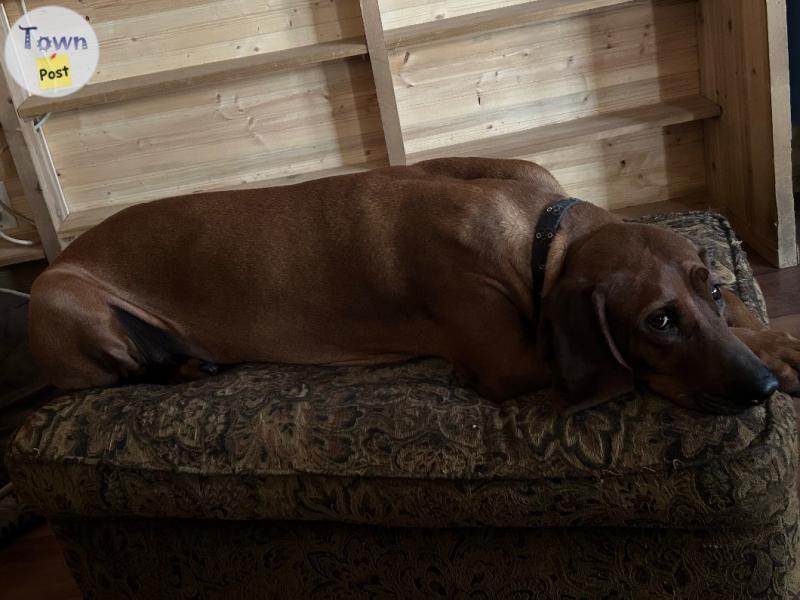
{"x": 340, "y": 270}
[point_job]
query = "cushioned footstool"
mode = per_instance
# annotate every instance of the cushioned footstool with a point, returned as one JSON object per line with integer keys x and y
{"x": 277, "y": 481}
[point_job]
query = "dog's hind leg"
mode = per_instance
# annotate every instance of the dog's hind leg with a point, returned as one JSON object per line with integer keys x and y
{"x": 162, "y": 357}
{"x": 81, "y": 337}
{"x": 165, "y": 359}
{"x": 192, "y": 369}
{"x": 75, "y": 337}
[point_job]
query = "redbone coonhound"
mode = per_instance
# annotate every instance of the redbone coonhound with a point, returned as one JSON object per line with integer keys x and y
{"x": 432, "y": 259}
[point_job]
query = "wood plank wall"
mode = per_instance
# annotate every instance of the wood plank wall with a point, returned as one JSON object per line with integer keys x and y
{"x": 481, "y": 88}
{"x": 466, "y": 89}
{"x": 316, "y": 119}
{"x": 303, "y": 121}
{"x": 621, "y": 99}
{"x": 146, "y": 36}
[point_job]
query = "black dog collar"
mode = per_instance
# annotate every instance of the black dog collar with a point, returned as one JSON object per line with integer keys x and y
{"x": 546, "y": 228}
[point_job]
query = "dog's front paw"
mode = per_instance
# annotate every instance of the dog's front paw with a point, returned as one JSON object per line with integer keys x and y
{"x": 779, "y": 351}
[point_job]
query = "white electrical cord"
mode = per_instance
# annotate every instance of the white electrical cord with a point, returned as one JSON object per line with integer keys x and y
{"x": 11, "y": 210}
{"x": 16, "y": 241}
{"x": 39, "y": 122}
{"x": 15, "y": 293}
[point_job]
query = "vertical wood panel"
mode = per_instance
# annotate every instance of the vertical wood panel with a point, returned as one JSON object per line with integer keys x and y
{"x": 744, "y": 68}
{"x": 779, "y": 98}
{"x": 26, "y": 170}
{"x": 384, "y": 86}
{"x": 32, "y": 158}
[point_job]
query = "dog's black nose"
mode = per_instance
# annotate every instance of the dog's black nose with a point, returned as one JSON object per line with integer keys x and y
{"x": 758, "y": 390}
{"x": 768, "y": 386}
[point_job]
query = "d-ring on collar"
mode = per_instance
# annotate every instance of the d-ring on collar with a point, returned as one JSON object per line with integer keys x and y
{"x": 546, "y": 229}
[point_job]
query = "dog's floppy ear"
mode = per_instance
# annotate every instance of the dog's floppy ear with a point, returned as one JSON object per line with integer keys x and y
{"x": 587, "y": 366}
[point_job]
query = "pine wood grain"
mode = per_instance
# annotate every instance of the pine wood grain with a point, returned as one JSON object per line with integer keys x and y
{"x": 504, "y": 17}
{"x": 316, "y": 119}
{"x": 162, "y": 82}
{"x": 587, "y": 129}
{"x": 150, "y": 36}
{"x": 743, "y": 50}
{"x": 32, "y": 159}
{"x": 384, "y": 87}
{"x": 474, "y": 89}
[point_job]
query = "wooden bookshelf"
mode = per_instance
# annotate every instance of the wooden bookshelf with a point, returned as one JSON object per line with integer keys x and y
{"x": 505, "y": 17}
{"x": 151, "y": 84}
{"x": 636, "y": 105}
{"x": 582, "y": 130}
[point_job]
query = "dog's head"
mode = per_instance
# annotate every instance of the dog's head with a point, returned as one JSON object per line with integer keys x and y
{"x": 639, "y": 303}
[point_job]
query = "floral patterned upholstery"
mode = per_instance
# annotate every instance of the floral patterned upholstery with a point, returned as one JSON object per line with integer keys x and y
{"x": 659, "y": 498}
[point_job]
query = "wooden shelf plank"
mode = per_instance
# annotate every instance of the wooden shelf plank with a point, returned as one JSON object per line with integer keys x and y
{"x": 586, "y": 129}
{"x": 683, "y": 204}
{"x": 166, "y": 81}
{"x": 537, "y": 11}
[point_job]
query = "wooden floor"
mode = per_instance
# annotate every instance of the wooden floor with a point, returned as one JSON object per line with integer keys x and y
{"x": 33, "y": 569}
{"x": 781, "y": 289}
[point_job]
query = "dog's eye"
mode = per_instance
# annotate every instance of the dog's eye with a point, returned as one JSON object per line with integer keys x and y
{"x": 660, "y": 321}
{"x": 716, "y": 293}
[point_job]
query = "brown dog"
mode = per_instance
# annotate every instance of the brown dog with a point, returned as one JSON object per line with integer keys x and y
{"x": 432, "y": 259}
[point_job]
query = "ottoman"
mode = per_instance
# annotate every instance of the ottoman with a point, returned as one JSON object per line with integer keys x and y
{"x": 276, "y": 481}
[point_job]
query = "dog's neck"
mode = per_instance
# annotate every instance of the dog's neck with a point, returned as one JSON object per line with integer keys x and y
{"x": 545, "y": 230}
{"x": 581, "y": 220}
